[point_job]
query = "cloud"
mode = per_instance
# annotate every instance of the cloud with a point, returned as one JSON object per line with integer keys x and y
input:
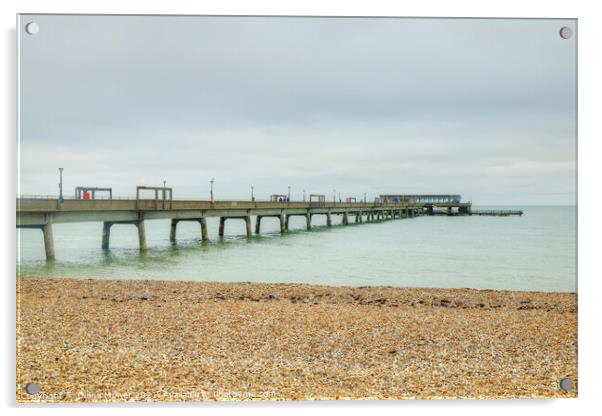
{"x": 361, "y": 105}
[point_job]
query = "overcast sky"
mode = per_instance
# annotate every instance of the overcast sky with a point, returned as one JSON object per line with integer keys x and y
{"x": 485, "y": 108}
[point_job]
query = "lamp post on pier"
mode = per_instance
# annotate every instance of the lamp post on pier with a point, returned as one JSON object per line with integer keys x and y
{"x": 289, "y": 194}
{"x": 211, "y": 181}
{"x": 252, "y": 194}
{"x": 61, "y": 199}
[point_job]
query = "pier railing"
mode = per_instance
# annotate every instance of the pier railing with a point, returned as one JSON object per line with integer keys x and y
{"x": 129, "y": 204}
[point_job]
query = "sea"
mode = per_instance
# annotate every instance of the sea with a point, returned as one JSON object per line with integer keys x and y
{"x": 533, "y": 252}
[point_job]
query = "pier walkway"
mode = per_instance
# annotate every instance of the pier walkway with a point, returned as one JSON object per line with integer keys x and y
{"x": 42, "y": 213}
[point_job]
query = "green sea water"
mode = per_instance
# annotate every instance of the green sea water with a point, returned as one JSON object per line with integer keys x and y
{"x": 535, "y": 252}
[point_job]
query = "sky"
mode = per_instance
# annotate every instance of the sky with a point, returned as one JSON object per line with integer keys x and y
{"x": 481, "y": 107}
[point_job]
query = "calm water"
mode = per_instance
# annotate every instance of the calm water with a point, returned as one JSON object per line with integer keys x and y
{"x": 534, "y": 252}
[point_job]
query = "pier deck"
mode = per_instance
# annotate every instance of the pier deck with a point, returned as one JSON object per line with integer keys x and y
{"x": 42, "y": 213}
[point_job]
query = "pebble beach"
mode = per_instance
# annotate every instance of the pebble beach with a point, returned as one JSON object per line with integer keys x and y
{"x": 85, "y": 340}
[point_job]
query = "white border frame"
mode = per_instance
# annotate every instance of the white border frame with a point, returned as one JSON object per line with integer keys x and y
{"x": 590, "y": 28}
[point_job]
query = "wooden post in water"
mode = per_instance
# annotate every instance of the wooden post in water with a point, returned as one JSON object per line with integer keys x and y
{"x": 48, "y": 241}
{"x": 106, "y": 234}
{"x": 248, "y": 226}
{"x": 257, "y": 224}
{"x": 141, "y": 235}
{"x": 308, "y": 221}
{"x": 172, "y": 231}
{"x": 283, "y": 223}
{"x": 222, "y": 223}
{"x": 204, "y": 234}
{"x": 328, "y": 220}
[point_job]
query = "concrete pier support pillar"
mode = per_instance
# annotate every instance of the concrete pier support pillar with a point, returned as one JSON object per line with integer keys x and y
{"x": 106, "y": 235}
{"x": 328, "y": 220}
{"x": 141, "y": 235}
{"x": 345, "y": 218}
{"x": 248, "y": 224}
{"x": 308, "y": 221}
{"x": 283, "y": 223}
{"x": 257, "y": 224}
{"x": 286, "y": 220}
{"x": 204, "y": 233}
{"x": 360, "y": 216}
{"x": 222, "y": 223}
{"x": 172, "y": 230}
{"x": 48, "y": 241}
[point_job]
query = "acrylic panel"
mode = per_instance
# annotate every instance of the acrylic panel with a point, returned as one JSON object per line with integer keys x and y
{"x": 278, "y": 208}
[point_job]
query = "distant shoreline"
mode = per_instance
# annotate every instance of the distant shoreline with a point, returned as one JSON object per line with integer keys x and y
{"x": 124, "y": 340}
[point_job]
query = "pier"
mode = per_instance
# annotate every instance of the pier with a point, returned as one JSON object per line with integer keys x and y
{"x": 42, "y": 213}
